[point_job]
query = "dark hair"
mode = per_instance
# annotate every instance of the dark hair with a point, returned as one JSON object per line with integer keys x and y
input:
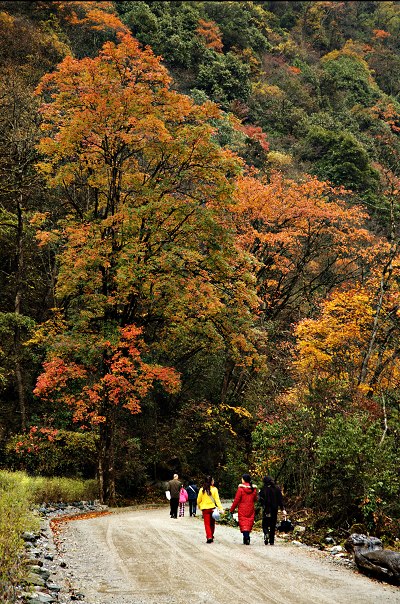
{"x": 268, "y": 481}
{"x": 207, "y": 485}
{"x": 247, "y": 478}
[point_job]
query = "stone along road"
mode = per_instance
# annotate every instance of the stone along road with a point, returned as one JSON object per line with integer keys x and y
{"x": 145, "y": 557}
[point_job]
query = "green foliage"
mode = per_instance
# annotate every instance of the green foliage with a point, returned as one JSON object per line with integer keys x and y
{"x": 347, "y": 79}
{"x": 243, "y": 24}
{"x": 65, "y": 453}
{"x": 170, "y": 30}
{"x": 356, "y": 474}
{"x": 283, "y": 447}
{"x": 15, "y": 518}
{"x": 229, "y": 475}
{"x": 339, "y": 158}
{"x": 224, "y": 78}
{"x": 35, "y": 490}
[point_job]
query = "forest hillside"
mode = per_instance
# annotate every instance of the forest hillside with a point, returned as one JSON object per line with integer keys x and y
{"x": 199, "y": 241}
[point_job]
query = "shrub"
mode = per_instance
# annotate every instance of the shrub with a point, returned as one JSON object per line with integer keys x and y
{"x": 60, "y": 489}
{"x": 53, "y": 453}
{"x": 283, "y": 447}
{"x": 356, "y": 475}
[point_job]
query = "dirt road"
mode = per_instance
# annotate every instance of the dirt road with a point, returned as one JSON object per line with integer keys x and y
{"x": 145, "y": 557}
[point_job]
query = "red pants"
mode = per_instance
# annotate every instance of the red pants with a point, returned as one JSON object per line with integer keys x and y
{"x": 209, "y": 523}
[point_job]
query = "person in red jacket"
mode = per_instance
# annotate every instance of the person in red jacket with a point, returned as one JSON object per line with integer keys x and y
{"x": 245, "y": 498}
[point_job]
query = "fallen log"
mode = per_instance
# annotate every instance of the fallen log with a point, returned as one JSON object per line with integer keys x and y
{"x": 371, "y": 558}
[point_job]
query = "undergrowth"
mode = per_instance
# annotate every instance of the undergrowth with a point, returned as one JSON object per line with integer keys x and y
{"x": 15, "y": 518}
{"x": 19, "y": 493}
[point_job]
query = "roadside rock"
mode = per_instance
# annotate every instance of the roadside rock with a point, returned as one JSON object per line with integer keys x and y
{"x": 46, "y": 580}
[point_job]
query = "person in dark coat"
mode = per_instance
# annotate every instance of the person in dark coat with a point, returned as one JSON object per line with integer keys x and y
{"x": 271, "y": 499}
{"x": 246, "y": 496}
{"x": 174, "y": 486}
{"x": 192, "y": 491}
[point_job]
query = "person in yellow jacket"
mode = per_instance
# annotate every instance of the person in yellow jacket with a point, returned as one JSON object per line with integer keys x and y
{"x": 208, "y": 500}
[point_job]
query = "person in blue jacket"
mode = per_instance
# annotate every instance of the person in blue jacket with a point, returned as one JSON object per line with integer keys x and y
{"x": 192, "y": 491}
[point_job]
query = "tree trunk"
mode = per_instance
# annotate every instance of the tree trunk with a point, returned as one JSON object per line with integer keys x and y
{"x": 17, "y": 310}
{"x": 106, "y": 470}
{"x": 229, "y": 367}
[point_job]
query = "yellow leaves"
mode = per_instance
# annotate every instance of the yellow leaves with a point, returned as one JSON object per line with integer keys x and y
{"x": 351, "y": 49}
{"x": 45, "y": 238}
{"x": 278, "y": 160}
{"x": 6, "y": 20}
{"x": 239, "y": 411}
{"x": 39, "y": 218}
{"x": 220, "y": 418}
{"x": 242, "y": 349}
{"x": 48, "y": 331}
{"x": 334, "y": 346}
{"x": 268, "y": 90}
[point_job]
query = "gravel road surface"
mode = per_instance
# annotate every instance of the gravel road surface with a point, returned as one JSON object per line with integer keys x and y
{"x": 145, "y": 557}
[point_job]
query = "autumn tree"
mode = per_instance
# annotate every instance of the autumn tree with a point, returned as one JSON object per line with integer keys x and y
{"x": 347, "y": 379}
{"x": 146, "y": 242}
{"x": 209, "y": 32}
{"x": 304, "y": 236}
{"x": 333, "y": 349}
{"x": 348, "y": 356}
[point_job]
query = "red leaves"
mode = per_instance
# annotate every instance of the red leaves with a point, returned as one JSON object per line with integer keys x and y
{"x": 381, "y": 34}
{"x": 256, "y": 134}
{"x": 30, "y": 442}
{"x": 125, "y": 380}
{"x": 57, "y": 373}
{"x": 56, "y": 524}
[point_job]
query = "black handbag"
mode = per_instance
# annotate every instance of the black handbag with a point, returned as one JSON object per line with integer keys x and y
{"x": 285, "y": 526}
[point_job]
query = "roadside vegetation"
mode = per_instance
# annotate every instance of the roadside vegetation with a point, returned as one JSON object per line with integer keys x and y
{"x": 20, "y": 495}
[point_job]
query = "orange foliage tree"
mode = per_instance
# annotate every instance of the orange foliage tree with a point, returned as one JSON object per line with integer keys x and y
{"x": 145, "y": 241}
{"x": 210, "y": 33}
{"x": 349, "y": 357}
{"x": 305, "y": 238}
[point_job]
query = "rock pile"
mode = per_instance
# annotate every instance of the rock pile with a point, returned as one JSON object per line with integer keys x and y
{"x": 46, "y": 580}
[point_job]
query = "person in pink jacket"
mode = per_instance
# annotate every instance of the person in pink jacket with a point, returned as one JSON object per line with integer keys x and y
{"x": 245, "y": 498}
{"x": 183, "y": 497}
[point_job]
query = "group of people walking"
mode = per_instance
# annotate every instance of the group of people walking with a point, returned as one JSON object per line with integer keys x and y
{"x": 179, "y": 495}
{"x": 207, "y": 498}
